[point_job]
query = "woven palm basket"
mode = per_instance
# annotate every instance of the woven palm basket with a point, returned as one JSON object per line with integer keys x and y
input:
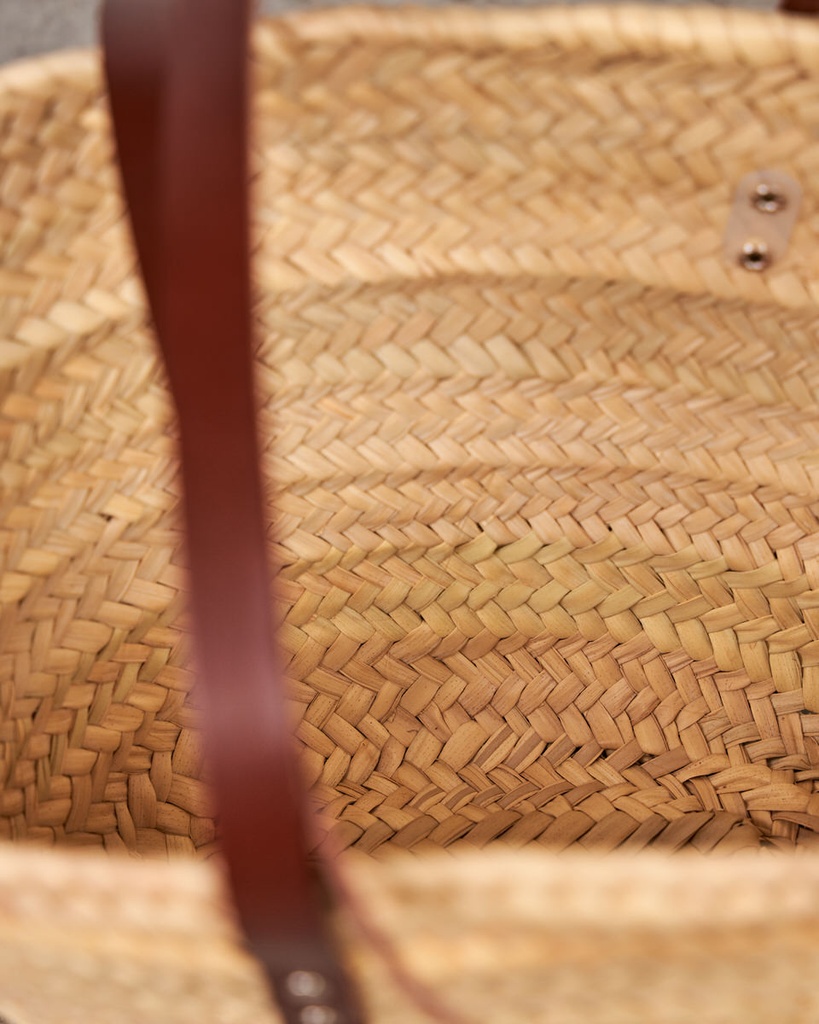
{"x": 546, "y": 458}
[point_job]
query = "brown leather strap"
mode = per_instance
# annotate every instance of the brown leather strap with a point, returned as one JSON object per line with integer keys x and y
{"x": 177, "y": 79}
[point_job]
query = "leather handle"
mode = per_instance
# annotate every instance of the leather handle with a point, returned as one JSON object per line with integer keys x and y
{"x": 177, "y": 82}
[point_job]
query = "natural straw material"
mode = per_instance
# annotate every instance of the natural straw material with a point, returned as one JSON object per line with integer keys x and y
{"x": 517, "y": 938}
{"x": 546, "y": 460}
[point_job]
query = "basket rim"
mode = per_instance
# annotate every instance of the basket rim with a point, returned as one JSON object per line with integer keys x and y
{"x": 715, "y": 35}
{"x": 29, "y": 73}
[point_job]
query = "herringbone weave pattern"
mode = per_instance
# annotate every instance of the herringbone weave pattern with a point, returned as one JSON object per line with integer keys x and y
{"x": 545, "y": 459}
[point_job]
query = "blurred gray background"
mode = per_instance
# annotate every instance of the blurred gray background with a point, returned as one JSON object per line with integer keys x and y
{"x": 37, "y": 26}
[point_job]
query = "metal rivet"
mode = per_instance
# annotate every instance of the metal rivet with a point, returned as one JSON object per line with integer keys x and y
{"x": 305, "y": 984}
{"x": 767, "y": 200}
{"x": 318, "y": 1015}
{"x": 754, "y": 256}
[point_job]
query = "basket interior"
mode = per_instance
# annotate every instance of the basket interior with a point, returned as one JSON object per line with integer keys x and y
{"x": 544, "y": 460}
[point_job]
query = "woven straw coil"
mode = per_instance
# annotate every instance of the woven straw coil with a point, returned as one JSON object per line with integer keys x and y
{"x": 545, "y": 460}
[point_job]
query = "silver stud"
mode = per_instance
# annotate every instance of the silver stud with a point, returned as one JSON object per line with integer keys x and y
{"x": 305, "y": 984}
{"x": 318, "y": 1015}
{"x": 755, "y": 256}
{"x": 767, "y": 200}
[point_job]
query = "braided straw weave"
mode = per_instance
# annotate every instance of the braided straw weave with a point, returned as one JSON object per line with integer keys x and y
{"x": 517, "y": 938}
{"x": 546, "y": 460}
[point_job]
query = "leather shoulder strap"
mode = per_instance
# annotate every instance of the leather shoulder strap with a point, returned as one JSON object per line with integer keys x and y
{"x": 177, "y": 79}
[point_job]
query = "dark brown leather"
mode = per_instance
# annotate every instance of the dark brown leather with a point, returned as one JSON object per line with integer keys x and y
{"x": 799, "y": 6}
{"x": 177, "y": 81}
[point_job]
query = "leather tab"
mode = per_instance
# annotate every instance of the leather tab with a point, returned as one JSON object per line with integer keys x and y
{"x": 763, "y": 216}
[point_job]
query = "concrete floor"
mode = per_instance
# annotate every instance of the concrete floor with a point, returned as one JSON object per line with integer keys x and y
{"x": 37, "y": 26}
